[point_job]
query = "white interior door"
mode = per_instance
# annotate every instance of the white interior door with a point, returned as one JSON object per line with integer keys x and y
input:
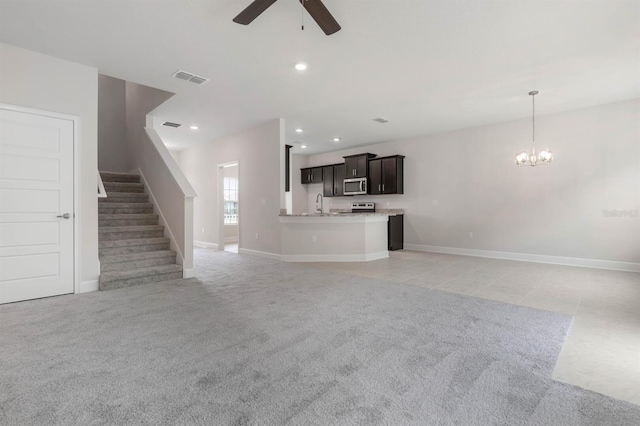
{"x": 36, "y": 189}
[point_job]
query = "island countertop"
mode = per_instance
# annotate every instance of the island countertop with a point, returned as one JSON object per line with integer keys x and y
{"x": 335, "y": 236}
{"x": 347, "y": 213}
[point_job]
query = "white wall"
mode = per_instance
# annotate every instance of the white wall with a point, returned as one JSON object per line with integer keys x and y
{"x": 33, "y": 80}
{"x": 112, "y": 137}
{"x": 172, "y": 194}
{"x": 258, "y": 152}
{"x": 554, "y": 210}
{"x": 175, "y": 155}
{"x": 299, "y": 191}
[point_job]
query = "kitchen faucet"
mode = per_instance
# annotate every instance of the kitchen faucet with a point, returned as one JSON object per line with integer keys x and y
{"x": 319, "y": 208}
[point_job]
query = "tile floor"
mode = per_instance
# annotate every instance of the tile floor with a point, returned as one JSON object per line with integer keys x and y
{"x": 601, "y": 352}
{"x": 231, "y": 247}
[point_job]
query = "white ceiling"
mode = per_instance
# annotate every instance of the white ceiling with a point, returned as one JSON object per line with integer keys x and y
{"x": 427, "y": 66}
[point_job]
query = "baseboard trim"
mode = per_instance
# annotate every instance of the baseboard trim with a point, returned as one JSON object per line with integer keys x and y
{"x": 188, "y": 273}
{"x": 524, "y": 257}
{"x": 266, "y": 255}
{"x": 334, "y": 257}
{"x": 88, "y": 286}
{"x": 204, "y": 244}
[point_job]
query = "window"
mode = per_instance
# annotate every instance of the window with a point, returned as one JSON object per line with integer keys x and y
{"x": 230, "y": 200}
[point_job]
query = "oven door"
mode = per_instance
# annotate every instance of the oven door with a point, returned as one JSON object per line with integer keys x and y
{"x": 356, "y": 186}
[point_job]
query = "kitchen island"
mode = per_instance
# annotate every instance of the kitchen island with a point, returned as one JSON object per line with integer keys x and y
{"x": 335, "y": 236}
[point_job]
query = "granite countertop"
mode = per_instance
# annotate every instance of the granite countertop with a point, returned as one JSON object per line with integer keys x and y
{"x": 346, "y": 213}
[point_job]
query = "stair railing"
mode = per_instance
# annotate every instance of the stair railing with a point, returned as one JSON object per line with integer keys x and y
{"x": 102, "y": 193}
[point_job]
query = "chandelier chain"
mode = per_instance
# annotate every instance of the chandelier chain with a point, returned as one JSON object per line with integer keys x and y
{"x": 533, "y": 136}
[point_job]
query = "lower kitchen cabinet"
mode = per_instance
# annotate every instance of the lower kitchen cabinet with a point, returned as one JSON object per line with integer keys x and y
{"x": 395, "y": 232}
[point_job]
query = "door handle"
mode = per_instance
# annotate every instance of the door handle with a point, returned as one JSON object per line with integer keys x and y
{"x": 64, "y": 216}
{"x": 383, "y": 187}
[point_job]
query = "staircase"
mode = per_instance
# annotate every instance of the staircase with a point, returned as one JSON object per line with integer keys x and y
{"x": 133, "y": 249}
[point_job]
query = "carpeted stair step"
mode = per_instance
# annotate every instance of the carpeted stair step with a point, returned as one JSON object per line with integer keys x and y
{"x": 125, "y": 197}
{"x": 127, "y": 219}
{"x": 132, "y": 246}
{"x": 111, "y": 187}
{"x": 123, "y": 262}
{"x": 142, "y": 245}
{"x": 118, "y": 279}
{"x": 119, "y": 177}
{"x": 125, "y": 208}
{"x": 110, "y": 233}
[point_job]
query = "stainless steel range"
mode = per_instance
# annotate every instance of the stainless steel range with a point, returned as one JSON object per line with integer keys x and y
{"x": 363, "y": 207}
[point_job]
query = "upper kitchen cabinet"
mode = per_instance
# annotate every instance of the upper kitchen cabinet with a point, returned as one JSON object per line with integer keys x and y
{"x": 339, "y": 174}
{"x": 386, "y": 175}
{"x": 357, "y": 165}
{"x": 311, "y": 175}
{"x": 333, "y": 180}
{"x": 328, "y": 187}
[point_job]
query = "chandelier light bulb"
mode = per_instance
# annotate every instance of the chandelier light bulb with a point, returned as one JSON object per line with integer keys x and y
{"x": 522, "y": 158}
{"x": 545, "y": 156}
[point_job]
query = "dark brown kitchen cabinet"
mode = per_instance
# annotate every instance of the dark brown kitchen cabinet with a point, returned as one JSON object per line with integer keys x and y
{"x": 339, "y": 173}
{"x": 357, "y": 165}
{"x": 333, "y": 180}
{"x": 386, "y": 175}
{"x": 311, "y": 175}
{"x": 395, "y": 232}
{"x": 327, "y": 181}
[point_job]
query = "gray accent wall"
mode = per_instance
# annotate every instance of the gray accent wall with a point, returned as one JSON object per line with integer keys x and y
{"x": 112, "y": 125}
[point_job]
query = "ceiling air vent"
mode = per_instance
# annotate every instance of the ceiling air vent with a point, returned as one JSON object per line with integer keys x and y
{"x": 170, "y": 124}
{"x": 187, "y": 76}
{"x": 381, "y": 120}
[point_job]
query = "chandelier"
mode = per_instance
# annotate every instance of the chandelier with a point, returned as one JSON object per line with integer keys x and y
{"x": 544, "y": 156}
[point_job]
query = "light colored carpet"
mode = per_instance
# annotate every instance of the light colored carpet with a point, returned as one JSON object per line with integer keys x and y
{"x": 254, "y": 341}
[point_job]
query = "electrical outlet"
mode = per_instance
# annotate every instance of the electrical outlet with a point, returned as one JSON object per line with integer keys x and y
{"x": 434, "y": 202}
{"x": 471, "y": 235}
{"x": 203, "y": 230}
{"x": 257, "y": 236}
{"x": 313, "y": 238}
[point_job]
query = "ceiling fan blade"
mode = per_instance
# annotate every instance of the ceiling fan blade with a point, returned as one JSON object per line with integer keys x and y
{"x": 253, "y": 11}
{"x": 321, "y": 15}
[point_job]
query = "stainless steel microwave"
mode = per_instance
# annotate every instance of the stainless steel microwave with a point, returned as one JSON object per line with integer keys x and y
{"x": 355, "y": 186}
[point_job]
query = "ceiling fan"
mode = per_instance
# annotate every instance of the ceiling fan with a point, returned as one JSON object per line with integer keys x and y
{"x": 316, "y": 9}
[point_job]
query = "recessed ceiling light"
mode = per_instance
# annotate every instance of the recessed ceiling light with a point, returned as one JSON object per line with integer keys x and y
{"x": 298, "y": 130}
{"x": 303, "y": 146}
{"x": 301, "y": 66}
{"x": 193, "y": 127}
{"x": 336, "y": 139}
